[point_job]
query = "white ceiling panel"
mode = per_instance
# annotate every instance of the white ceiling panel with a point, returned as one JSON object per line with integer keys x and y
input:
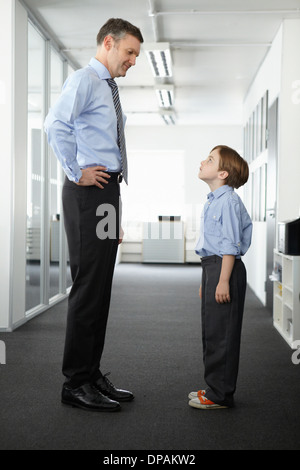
{"x": 216, "y": 46}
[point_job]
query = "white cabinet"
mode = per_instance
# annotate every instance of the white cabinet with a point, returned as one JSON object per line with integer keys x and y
{"x": 286, "y": 296}
{"x": 163, "y": 242}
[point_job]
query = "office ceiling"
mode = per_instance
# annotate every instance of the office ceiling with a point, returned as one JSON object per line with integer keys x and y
{"x": 216, "y": 47}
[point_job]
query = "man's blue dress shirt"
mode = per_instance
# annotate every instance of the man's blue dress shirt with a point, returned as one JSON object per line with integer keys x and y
{"x": 226, "y": 227}
{"x": 82, "y": 124}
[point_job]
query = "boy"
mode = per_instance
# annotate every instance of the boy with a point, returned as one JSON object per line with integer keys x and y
{"x": 225, "y": 236}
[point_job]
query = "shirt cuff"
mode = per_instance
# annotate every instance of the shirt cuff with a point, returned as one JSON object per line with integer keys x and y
{"x": 73, "y": 176}
{"x": 230, "y": 249}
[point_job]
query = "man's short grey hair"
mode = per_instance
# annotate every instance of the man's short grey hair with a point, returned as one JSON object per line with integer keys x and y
{"x": 118, "y": 28}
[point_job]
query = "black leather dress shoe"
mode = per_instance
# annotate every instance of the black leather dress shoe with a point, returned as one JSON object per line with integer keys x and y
{"x": 109, "y": 390}
{"x": 88, "y": 397}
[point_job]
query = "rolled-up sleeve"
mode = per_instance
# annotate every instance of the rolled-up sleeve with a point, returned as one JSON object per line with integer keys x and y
{"x": 230, "y": 243}
{"x": 236, "y": 229}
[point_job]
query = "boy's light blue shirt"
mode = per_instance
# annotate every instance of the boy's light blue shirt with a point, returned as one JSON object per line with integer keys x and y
{"x": 226, "y": 227}
{"x": 82, "y": 124}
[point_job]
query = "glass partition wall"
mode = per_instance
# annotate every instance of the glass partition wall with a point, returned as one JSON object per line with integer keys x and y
{"x": 47, "y": 271}
{"x": 36, "y": 88}
{"x": 55, "y": 185}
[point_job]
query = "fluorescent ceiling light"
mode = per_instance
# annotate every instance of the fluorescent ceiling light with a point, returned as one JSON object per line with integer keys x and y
{"x": 165, "y": 95}
{"x": 159, "y": 58}
{"x": 169, "y": 120}
{"x": 168, "y": 117}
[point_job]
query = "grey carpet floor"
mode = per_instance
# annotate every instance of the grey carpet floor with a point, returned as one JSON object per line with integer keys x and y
{"x": 153, "y": 347}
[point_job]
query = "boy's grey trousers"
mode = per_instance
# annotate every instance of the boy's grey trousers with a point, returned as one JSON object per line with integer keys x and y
{"x": 221, "y": 330}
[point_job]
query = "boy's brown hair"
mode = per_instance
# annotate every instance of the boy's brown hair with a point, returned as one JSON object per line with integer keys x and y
{"x": 234, "y": 164}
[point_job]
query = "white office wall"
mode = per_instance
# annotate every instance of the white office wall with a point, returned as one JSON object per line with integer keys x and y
{"x": 288, "y": 196}
{"x": 194, "y": 141}
{"x": 268, "y": 78}
{"x": 280, "y": 74}
{"x": 150, "y": 203}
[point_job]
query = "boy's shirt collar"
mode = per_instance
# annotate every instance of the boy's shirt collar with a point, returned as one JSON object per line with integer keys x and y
{"x": 219, "y": 192}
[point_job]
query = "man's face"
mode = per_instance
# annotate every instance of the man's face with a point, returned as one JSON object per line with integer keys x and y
{"x": 122, "y": 55}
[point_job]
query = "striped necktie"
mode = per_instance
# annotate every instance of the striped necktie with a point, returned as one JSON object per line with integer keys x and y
{"x": 121, "y": 136}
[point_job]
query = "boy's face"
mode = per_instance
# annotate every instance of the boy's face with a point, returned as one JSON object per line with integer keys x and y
{"x": 209, "y": 170}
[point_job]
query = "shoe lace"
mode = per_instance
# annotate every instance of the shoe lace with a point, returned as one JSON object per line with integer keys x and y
{"x": 107, "y": 380}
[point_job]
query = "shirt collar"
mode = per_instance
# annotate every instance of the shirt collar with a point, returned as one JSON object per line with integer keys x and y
{"x": 101, "y": 70}
{"x": 219, "y": 192}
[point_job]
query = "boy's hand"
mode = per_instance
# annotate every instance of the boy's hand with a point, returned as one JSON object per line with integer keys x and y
{"x": 222, "y": 292}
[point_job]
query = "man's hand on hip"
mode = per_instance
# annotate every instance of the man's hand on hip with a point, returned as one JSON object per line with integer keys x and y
{"x": 94, "y": 175}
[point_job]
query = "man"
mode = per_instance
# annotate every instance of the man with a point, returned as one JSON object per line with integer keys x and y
{"x": 85, "y": 130}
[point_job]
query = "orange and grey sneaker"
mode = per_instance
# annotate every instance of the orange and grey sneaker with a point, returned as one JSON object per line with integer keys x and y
{"x": 196, "y": 394}
{"x": 204, "y": 403}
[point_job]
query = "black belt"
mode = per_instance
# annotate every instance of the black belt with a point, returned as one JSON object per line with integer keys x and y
{"x": 214, "y": 259}
{"x": 114, "y": 176}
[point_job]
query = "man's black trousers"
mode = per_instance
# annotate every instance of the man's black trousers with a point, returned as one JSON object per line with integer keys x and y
{"x": 221, "y": 330}
{"x": 91, "y": 217}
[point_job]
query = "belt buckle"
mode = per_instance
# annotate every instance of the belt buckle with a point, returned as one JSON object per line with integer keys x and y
{"x": 120, "y": 178}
